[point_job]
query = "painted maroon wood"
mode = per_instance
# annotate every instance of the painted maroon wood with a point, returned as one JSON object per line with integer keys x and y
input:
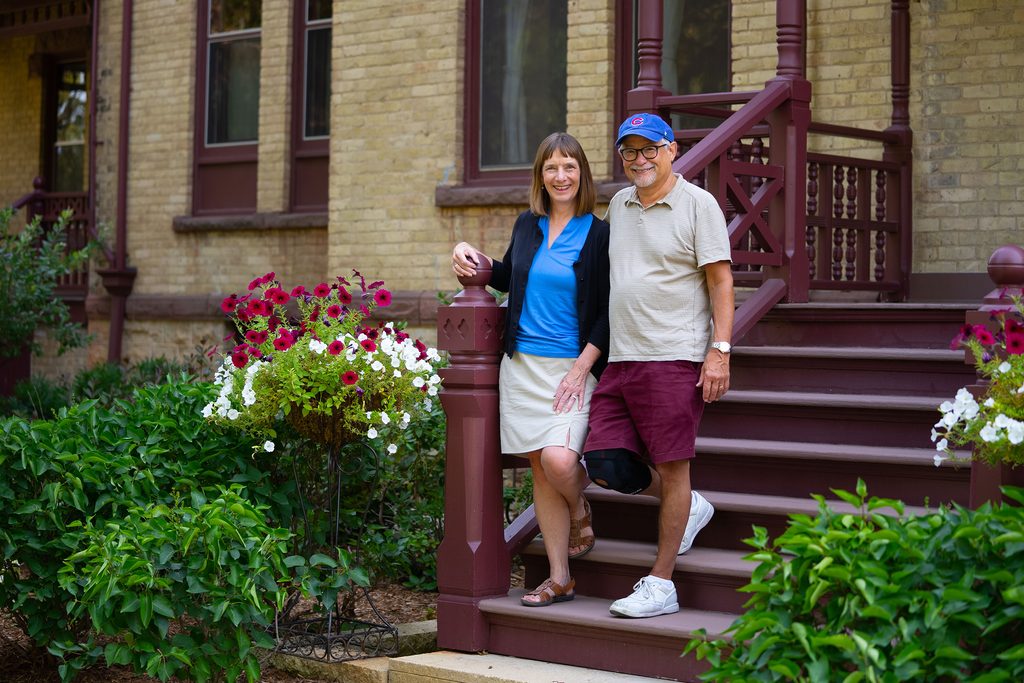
{"x": 1006, "y": 269}
{"x": 473, "y": 560}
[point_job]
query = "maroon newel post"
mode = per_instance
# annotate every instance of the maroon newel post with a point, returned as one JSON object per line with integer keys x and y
{"x": 644, "y": 97}
{"x": 473, "y": 562}
{"x": 1006, "y": 269}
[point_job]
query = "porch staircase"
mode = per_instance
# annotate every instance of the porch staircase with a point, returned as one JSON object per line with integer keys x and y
{"x": 821, "y": 394}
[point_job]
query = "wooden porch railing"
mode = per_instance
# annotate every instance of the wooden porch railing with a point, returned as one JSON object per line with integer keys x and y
{"x": 79, "y": 229}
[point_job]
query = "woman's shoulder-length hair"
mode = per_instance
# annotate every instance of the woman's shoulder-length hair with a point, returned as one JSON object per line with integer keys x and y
{"x": 586, "y": 197}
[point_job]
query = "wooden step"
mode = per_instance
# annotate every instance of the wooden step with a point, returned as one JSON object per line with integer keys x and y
{"x": 853, "y": 370}
{"x": 802, "y": 468}
{"x": 618, "y": 515}
{"x": 865, "y": 419}
{"x": 583, "y": 633}
{"x": 706, "y": 578}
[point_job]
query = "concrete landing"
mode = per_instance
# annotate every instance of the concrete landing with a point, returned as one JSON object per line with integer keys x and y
{"x": 458, "y": 667}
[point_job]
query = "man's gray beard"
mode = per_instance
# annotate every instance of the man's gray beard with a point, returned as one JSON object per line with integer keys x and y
{"x": 648, "y": 178}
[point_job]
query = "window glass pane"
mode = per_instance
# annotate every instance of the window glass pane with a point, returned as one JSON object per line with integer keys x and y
{"x": 69, "y": 129}
{"x": 234, "y": 92}
{"x": 522, "y": 78}
{"x": 318, "y": 9}
{"x": 318, "y": 82}
{"x": 234, "y": 15}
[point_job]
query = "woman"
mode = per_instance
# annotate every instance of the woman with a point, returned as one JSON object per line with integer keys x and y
{"x": 556, "y": 337}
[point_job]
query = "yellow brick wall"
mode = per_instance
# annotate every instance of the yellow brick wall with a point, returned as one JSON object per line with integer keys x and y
{"x": 20, "y": 109}
{"x": 968, "y": 131}
{"x": 275, "y": 106}
{"x": 590, "y": 81}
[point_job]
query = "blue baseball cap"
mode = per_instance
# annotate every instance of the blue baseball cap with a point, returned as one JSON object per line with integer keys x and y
{"x": 650, "y": 126}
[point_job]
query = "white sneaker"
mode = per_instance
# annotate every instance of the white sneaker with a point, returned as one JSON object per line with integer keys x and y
{"x": 649, "y": 599}
{"x": 701, "y": 512}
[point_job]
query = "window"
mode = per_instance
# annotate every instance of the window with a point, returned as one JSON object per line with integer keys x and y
{"x": 227, "y": 119}
{"x": 311, "y": 105}
{"x": 695, "y": 52}
{"x": 67, "y": 163}
{"x": 515, "y": 84}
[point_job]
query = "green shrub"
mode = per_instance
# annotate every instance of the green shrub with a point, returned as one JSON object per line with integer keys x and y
{"x": 30, "y": 263}
{"x": 89, "y": 465}
{"x": 869, "y": 597}
{"x": 216, "y": 568}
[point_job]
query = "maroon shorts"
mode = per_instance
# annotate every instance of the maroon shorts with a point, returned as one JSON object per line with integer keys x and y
{"x": 652, "y": 408}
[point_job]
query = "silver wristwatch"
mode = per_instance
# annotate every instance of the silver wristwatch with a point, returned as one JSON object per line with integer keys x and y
{"x": 724, "y": 347}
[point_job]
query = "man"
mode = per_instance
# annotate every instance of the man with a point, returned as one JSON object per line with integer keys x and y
{"x": 671, "y": 313}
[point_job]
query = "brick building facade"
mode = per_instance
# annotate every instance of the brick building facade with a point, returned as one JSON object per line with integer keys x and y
{"x": 397, "y": 190}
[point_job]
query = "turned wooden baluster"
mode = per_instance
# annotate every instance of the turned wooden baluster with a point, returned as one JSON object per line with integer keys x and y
{"x": 837, "y": 232}
{"x": 851, "y": 213}
{"x": 473, "y": 559}
{"x": 880, "y": 180}
{"x": 811, "y": 233}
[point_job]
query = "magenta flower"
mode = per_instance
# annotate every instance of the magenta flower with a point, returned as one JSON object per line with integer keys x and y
{"x": 229, "y": 304}
{"x": 982, "y": 334}
{"x": 255, "y": 283}
{"x": 251, "y": 336}
{"x": 258, "y": 307}
{"x": 255, "y": 352}
{"x": 299, "y": 291}
{"x": 401, "y": 336}
{"x": 277, "y": 295}
{"x": 344, "y": 296}
{"x": 350, "y": 377}
{"x": 239, "y": 359}
{"x": 1014, "y": 327}
{"x": 333, "y": 311}
{"x": 1015, "y": 343}
{"x": 382, "y": 297}
{"x": 283, "y": 342}
{"x": 368, "y": 345}
{"x": 335, "y": 347}
{"x": 269, "y": 277}
{"x": 322, "y": 290}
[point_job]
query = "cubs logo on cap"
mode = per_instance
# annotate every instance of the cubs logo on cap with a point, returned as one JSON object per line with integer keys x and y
{"x": 650, "y": 126}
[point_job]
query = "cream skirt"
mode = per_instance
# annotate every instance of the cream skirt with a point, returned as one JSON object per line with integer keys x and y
{"x": 526, "y": 391}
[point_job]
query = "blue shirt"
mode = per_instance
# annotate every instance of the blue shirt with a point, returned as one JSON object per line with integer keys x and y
{"x": 548, "y": 326}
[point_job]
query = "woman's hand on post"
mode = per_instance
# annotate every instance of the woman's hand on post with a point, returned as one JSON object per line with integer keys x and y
{"x": 465, "y": 259}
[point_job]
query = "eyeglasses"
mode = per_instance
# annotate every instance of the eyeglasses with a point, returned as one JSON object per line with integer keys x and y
{"x": 649, "y": 152}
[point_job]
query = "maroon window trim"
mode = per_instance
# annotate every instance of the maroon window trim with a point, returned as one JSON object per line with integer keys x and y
{"x": 310, "y": 159}
{"x": 223, "y": 176}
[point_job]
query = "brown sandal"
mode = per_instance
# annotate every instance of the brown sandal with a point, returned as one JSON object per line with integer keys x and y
{"x": 576, "y": 538}
{"x": 550, "y": 592}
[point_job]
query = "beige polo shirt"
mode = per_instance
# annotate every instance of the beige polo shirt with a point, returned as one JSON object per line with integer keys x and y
{"x": 659, "y": 307}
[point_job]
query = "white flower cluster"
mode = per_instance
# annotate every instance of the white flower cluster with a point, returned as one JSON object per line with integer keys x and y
{"x": 224, "y": 377}
{"x": 961, "y": 410}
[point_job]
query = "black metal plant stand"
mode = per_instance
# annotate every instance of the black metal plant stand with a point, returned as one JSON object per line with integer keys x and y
{"x": 332, "y": 634}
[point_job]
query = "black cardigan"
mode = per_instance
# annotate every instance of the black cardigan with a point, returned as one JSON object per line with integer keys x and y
{"x": 512, "y": 271}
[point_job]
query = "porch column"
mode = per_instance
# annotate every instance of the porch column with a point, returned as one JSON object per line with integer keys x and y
{"x": 473, "y": 562}
{"x": 788, "y": 147}
{"x": 1006, "y": 269}
{"x": 902, "y": 151}
{"x": 644, "y": 97}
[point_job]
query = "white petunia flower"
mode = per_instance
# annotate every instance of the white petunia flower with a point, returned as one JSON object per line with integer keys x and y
{"x": 1015, "y": 432}
{"x": 385, "y": 418}
{"x": 392, "y": 448}
{"x": 232, "y": 414}
{"x": 371, "y": 433}
{"x": 1004, "y": 367}
{"x": 418, "y": 382}
{"x": 377, "y": 366}
{"x": 208, "y": 410}
{"x": 939, "y": 458}
{"x": 989, "y": 433}
{"x": 268, "y": 446}
{"x": 317, "y": 346}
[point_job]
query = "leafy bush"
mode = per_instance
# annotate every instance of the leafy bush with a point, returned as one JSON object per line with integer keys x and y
{"x": 30, "y": 263}
{"x": 62, "y": 479}
{"x": 869, "y": 597}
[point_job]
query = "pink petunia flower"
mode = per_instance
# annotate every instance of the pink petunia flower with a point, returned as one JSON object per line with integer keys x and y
{"x": 322, "y": 290}
{"x": 1015, "y": 343}
{"x": 283, "y": 342}
{"x": 259, "y": 307}
{"x": 251, "y": 336}
{"x": 229, "y": 304}
{"x": 982, "y": 334}
{"x": 335, "y": 348}
{"x": 368, "y": 345}
{"x": 277, "y": 295}
{"x": 299, "y": 291}
{"x": 255, "y": 352}
{"x": 350, "y": 377}
{"x": 255, "y": 283}
{"x": 344, "y": 296}
{"x": 333, "y": 311}
{"x": 239, "y": 359}
{"x": 1014, "y": 327}
{"x": 382, "y": 297}
{"x": 269, "y": 277}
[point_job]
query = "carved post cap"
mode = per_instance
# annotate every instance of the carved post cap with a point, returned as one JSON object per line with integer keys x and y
{"x": 474, "y": 287}
{"x": 1006, "y": 266}
{"x": 473, "y": 322}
